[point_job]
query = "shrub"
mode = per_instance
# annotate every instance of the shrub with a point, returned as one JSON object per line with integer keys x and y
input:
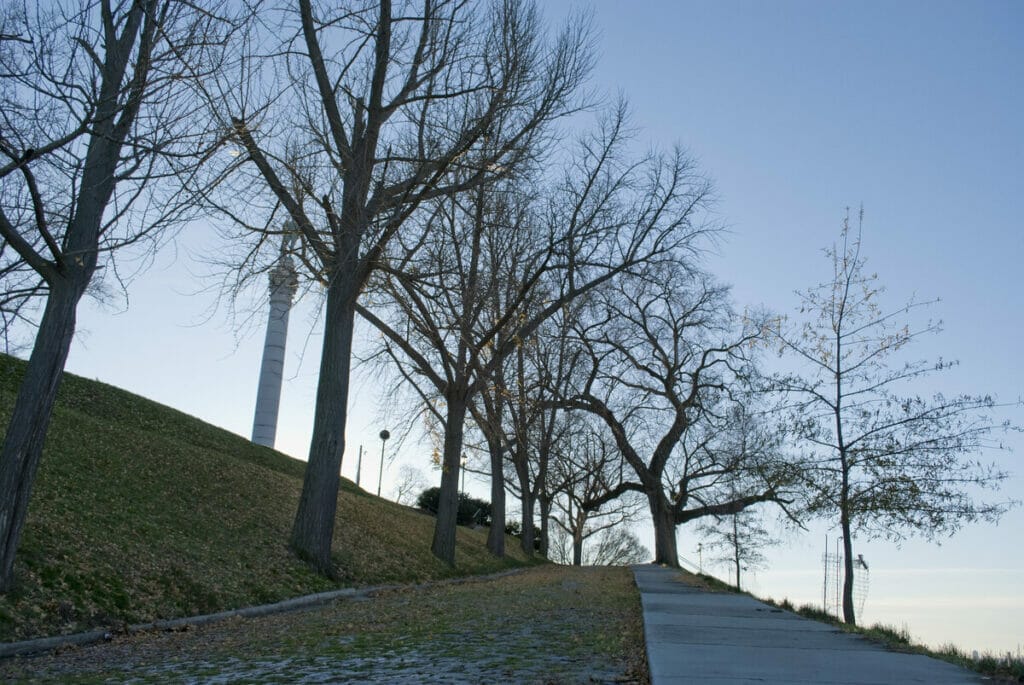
{"x": 471, "y": 510}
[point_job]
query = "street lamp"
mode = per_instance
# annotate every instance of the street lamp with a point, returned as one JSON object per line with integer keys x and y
{"x": 464, "y": 460}
{"x": 384, "y": 435}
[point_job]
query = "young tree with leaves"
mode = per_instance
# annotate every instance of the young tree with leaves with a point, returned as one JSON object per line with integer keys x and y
{"x": 883, "y": 463}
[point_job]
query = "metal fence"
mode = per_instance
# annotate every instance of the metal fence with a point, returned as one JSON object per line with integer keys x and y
{"x": 832, "y": 588}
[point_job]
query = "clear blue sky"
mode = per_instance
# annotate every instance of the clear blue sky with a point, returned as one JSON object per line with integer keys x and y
{"x": 796, "y": 110}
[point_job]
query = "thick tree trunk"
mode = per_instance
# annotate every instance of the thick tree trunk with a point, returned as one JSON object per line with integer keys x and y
{"x": 665, "y": 550}
{"x": 26, "y": 432}
{"x": 577, "y": 547}
{"x": 496, "y": 536}
{"x": 313, "y": 530}
{"x": 443, "y": 545}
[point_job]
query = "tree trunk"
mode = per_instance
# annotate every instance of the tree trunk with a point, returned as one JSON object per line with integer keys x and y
{"x": 26, "y": 432}
{"x": 528, "y": 530}
{"x": 736, "y": 547}
{"x": 545, "y": 524}
{"x": 665, "y": 551}
{"x": 443, "y": 545}
{"x": 848, "y": 614}
{"x": 525, "y": 501}
{"x": 496, "y": 536}
{"x": 313, "y": 530}
{"x": 577, "y": 547}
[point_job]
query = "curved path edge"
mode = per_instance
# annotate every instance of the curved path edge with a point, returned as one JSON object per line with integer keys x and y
{"x": 45, "y": 644}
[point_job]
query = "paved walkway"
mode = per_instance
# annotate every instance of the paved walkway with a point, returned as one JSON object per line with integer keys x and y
{"x": 696, "y": 636}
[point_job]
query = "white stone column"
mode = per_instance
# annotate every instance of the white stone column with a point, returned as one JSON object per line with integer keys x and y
{"x": 283, "y": 284}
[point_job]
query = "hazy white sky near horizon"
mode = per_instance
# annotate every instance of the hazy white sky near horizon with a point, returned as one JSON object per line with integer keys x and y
{"x": 797, "y": 110}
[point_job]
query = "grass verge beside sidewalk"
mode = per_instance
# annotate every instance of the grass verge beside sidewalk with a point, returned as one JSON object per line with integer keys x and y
{"x": 1001, "y": 669}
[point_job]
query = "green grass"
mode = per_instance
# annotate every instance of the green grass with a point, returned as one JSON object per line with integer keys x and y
{"x": 1004, "y": 669}
{"x": 141, "y": 512}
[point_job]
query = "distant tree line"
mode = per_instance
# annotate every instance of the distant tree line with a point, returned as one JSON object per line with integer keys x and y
{"x": 444, "y": 173}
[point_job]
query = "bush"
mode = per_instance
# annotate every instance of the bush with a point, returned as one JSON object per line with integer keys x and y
{"x": 471, "y": 510}
{"x": 515, "y": 529}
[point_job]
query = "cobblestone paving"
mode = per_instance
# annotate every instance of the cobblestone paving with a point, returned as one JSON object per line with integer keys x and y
{"x": 546, "y": 625}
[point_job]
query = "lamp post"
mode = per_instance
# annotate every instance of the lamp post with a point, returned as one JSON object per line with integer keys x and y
{"x": 384, "y": 435}
{"x": 359, "y": 465}
{"x": 464, "y": 460}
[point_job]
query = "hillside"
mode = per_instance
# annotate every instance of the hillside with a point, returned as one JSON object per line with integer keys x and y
{"x": 141, "y": 512}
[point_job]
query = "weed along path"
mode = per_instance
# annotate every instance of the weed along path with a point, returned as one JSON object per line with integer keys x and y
{"x": 548, "y": 624}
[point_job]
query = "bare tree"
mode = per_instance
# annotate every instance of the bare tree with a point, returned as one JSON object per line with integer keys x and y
{"x": 616, "y": 546}
{"x": 654, "y": 202}
{"x": 411, "y": 482}
{"x": 585, "y": 466}
{"x": 96, "y": 111}
{"x": 737, "y": 540}
{"x": 746, "y": 436}
{"x": 359, "y": 114}
{"x": 604, "y": 219}
{"x": 21, "y": 292}
{"x": 534, "y": 426}
{"x": 885, "y": 464}
{"x": 442, "y": 326}
{"x": 666, "y": 360}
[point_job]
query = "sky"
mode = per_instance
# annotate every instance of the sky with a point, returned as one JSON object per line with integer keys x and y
{"x": 797, "y": 111}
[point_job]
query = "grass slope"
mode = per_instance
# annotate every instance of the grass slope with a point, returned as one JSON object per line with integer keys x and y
{"x": 141, "y": 512}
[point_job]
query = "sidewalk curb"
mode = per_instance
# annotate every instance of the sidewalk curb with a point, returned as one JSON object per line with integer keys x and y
{"x": 46, "y": 644}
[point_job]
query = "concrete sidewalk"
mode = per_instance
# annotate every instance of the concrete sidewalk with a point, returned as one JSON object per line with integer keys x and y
{"x": 696, "y": 636}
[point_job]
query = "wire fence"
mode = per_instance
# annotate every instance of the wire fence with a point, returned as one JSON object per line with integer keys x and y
{"x": 832, "y": 588}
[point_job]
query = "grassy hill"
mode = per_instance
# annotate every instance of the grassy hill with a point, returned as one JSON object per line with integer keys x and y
{"x": 141, "y": 512}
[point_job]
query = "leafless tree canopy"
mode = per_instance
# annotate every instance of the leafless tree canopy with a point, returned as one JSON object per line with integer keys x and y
{"x": 347, "y": 118}
{"x": 737, "y": 540}
{"x": 491, "y": 266}
{"x": 98, "y": 130}
{"x": 666, "y": 364}
{"x": 585, "y": 467}
{"x": 71, "y": 77}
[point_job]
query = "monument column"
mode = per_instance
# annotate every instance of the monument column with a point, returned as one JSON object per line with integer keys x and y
{"x": 283, "y": 284}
